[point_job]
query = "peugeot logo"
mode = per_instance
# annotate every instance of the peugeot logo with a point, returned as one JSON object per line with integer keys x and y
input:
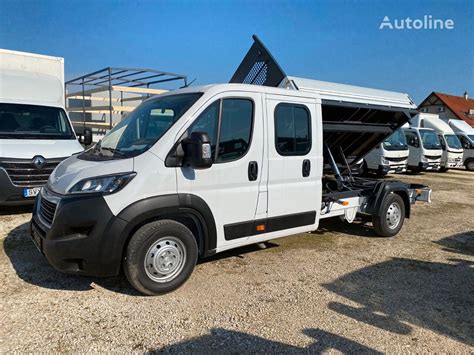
{"x": 39, "y": 162}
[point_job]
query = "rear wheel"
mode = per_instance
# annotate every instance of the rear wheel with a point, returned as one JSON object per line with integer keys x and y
{"x": 160, "y": 257}
{"x": 391, "y": 216}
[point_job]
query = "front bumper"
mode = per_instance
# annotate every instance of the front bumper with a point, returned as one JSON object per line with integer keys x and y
{"x": 84, "y": 238}
{"x": 455, "y": 164}
{"x": 390, "y": 169}
{"x": 430, "y": 165}
{"x": 11, "y": 195}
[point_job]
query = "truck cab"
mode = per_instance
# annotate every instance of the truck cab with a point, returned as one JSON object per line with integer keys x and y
{"x": 451, "y": 146}
{"x": 391, "y": 156}
{"x": 452, "y": 151}
{"x": 465, "y": 134}
{"x": 425, "y": 149}
{"x": 35, "y": 131}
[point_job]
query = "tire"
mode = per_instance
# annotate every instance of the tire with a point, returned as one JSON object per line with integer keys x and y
{"x": 470, "y": 165}
{"x": 392, "y": 216}
{"x": 415, "y": 170}
{"x": 443, "y": 169}
{"x": 167, "y": 241}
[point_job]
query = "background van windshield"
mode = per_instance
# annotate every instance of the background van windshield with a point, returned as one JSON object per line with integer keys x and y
{"x": 429, "y": 139}
{"x": 396, "y": 141}
{"x": 19, "y": 121}
{"x": 144, "y": 126}
{"x": 453, "y": 141}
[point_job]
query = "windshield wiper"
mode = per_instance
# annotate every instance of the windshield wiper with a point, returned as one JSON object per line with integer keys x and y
{"x": 114, "y": 151}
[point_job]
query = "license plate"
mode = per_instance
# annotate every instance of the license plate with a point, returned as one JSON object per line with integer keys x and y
{"x": 32, "y": 192}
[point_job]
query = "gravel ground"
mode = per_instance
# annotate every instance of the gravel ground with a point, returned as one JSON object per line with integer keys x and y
{"x": 340, "y": 288}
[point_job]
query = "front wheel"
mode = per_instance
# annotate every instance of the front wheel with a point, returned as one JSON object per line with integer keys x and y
{"x": 391, "y": 216}
{"x": 160, "y": 257}
{"x": 470, "y": 165}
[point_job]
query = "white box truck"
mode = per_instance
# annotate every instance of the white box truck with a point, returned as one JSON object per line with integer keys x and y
{"x": 465, "y": 133}
{"x": 35, "y": 131}
{"x": 204, "y": 169}
{"x": 391, "y": 156}
{"x": 450, "y": 143}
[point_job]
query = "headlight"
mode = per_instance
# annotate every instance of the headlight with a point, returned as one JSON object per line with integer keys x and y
{"x": 385, "y": 162}
{"x": 423, "y": 159}
{"x": 102, "y": 184}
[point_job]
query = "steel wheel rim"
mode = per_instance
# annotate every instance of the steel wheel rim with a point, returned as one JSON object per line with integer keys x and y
{"x": 394, "y": 215}
{"x": 165, "y": 259}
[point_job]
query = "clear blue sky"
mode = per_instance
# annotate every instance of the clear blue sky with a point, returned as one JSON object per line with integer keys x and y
{"x": 327, "y": 40}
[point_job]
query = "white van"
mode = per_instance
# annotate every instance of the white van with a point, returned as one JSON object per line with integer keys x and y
{"x": 425, "y": 149}
{"x": 465, "y": 133}
{"x": 200, "y": 170}
{"x": 35, "y": 131}
{"x": 391, "y": 156}
{"x": 452, "y": 156}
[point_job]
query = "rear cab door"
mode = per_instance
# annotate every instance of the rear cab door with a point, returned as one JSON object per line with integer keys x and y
{"x": 294, "y": 163}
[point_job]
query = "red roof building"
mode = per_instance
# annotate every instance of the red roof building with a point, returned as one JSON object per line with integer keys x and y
{"x": 449, "y": 106}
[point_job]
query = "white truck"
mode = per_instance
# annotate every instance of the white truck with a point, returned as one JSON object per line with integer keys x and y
{"x": 424, "y": 147}
{"x": 452, "y": 156}
{"x": 390, "y": 156}
{"x": 204, "y": 169}
{"x": 465, "y": 133}
{"x": 35, "y": 131}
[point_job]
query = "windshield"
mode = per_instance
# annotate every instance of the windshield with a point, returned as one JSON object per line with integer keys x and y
{"x": 429, "y": 139}
{"x": 471, "y": 137}
{"x": 18, "y": 121}
{"x": 453, "y": 141}
{"x": 143, "y": 127}
{"x": 396, "y": 141}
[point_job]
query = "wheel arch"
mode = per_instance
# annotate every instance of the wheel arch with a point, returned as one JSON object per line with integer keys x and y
{"x": 189, "y": 210}
{"x": 387, "y": 187}
{"x": 467, "y": 161}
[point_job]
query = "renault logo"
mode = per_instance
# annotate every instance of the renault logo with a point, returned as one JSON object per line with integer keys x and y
{"x": 39, "y": 162}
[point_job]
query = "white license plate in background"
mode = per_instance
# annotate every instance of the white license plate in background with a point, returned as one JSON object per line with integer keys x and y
{"x": 32, "y": 192}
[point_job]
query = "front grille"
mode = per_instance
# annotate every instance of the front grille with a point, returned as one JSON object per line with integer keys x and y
{"x": 47, "y": 209}
{"x": 23, "y": 172}
{"x": 396, "y": 159}
{"x": 433, "y": 157}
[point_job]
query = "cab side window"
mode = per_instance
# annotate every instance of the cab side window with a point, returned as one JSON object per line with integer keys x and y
{"x": 229, "y": 123}
{"x": 464, "y": 142}
{"x": 441, "y": 141}
{"x": 207, "y": 122}
{"x": 292, "y": 129}
{"x": 412, "y": 139}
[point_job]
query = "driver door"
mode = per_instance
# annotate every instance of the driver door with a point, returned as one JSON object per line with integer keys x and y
{"x": 230, "y": 187}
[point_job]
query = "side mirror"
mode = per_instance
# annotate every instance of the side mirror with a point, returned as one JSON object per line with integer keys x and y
{"x": 197, "y": 150}
{"x": 86, "y": 136}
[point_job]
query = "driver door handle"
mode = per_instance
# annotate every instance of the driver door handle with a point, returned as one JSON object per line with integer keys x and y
{"x": 253, "y": 171}
{"x": 306, "y": 169}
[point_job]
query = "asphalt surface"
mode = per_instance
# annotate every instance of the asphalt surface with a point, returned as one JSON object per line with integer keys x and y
{"x": 338, "y": 289}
